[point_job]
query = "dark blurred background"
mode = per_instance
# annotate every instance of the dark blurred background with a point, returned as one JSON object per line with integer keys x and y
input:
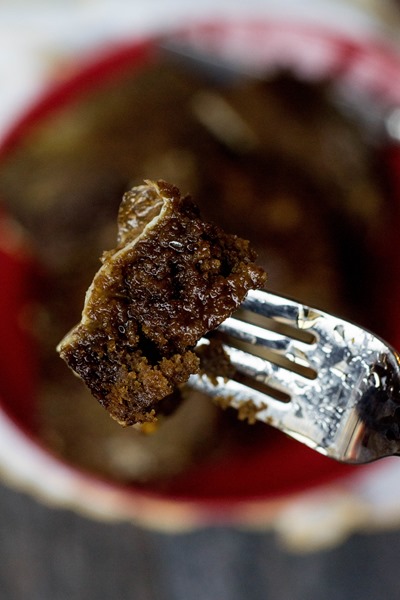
{"x": 56, "y": 554}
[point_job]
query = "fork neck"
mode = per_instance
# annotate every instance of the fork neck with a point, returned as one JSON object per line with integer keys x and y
{"x": 379, "y": 411}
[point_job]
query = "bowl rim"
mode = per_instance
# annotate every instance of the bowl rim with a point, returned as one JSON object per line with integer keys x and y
{"x": 83, "y": 491}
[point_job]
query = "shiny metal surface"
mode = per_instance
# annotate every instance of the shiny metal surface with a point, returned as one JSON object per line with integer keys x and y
{"x": 322, "y": 380}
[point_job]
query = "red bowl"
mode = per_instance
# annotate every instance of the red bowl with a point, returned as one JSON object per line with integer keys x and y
{"x": 249, "y": 484}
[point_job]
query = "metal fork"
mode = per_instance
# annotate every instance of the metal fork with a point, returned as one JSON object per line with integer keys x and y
{"x": 321, "y": 379}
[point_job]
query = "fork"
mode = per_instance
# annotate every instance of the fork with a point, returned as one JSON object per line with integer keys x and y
{"x": 320, "y": 379}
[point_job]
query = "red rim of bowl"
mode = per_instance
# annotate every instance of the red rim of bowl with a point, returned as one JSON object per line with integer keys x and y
{"x": 291, "y": 466}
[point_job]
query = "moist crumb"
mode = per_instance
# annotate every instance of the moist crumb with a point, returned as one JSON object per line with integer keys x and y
{"x": 170, "y": 280}
{"x": 247, "y": 411}
{"x": 214, "y": 361}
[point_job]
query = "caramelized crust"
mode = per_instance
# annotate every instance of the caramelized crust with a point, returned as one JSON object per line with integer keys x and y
{"x": 171, "y": 279}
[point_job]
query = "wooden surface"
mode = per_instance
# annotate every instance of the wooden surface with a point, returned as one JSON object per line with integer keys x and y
{"x": 48, "y": 554}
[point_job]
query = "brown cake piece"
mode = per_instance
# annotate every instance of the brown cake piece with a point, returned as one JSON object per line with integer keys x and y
{"x": 171, "y": 279}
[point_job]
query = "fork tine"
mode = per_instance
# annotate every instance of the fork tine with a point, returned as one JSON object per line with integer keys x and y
{"x": 253, "y": 334}
{"x": 242, "y": 397}
{"x": 264, "y": 371}
{"x": 254, "y": 338}
{"x": 277, "y": 307}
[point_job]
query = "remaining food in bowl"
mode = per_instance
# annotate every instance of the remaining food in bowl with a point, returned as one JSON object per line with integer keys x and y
{"x": 171, "y": 279}
{"x": 286, "y": 169}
